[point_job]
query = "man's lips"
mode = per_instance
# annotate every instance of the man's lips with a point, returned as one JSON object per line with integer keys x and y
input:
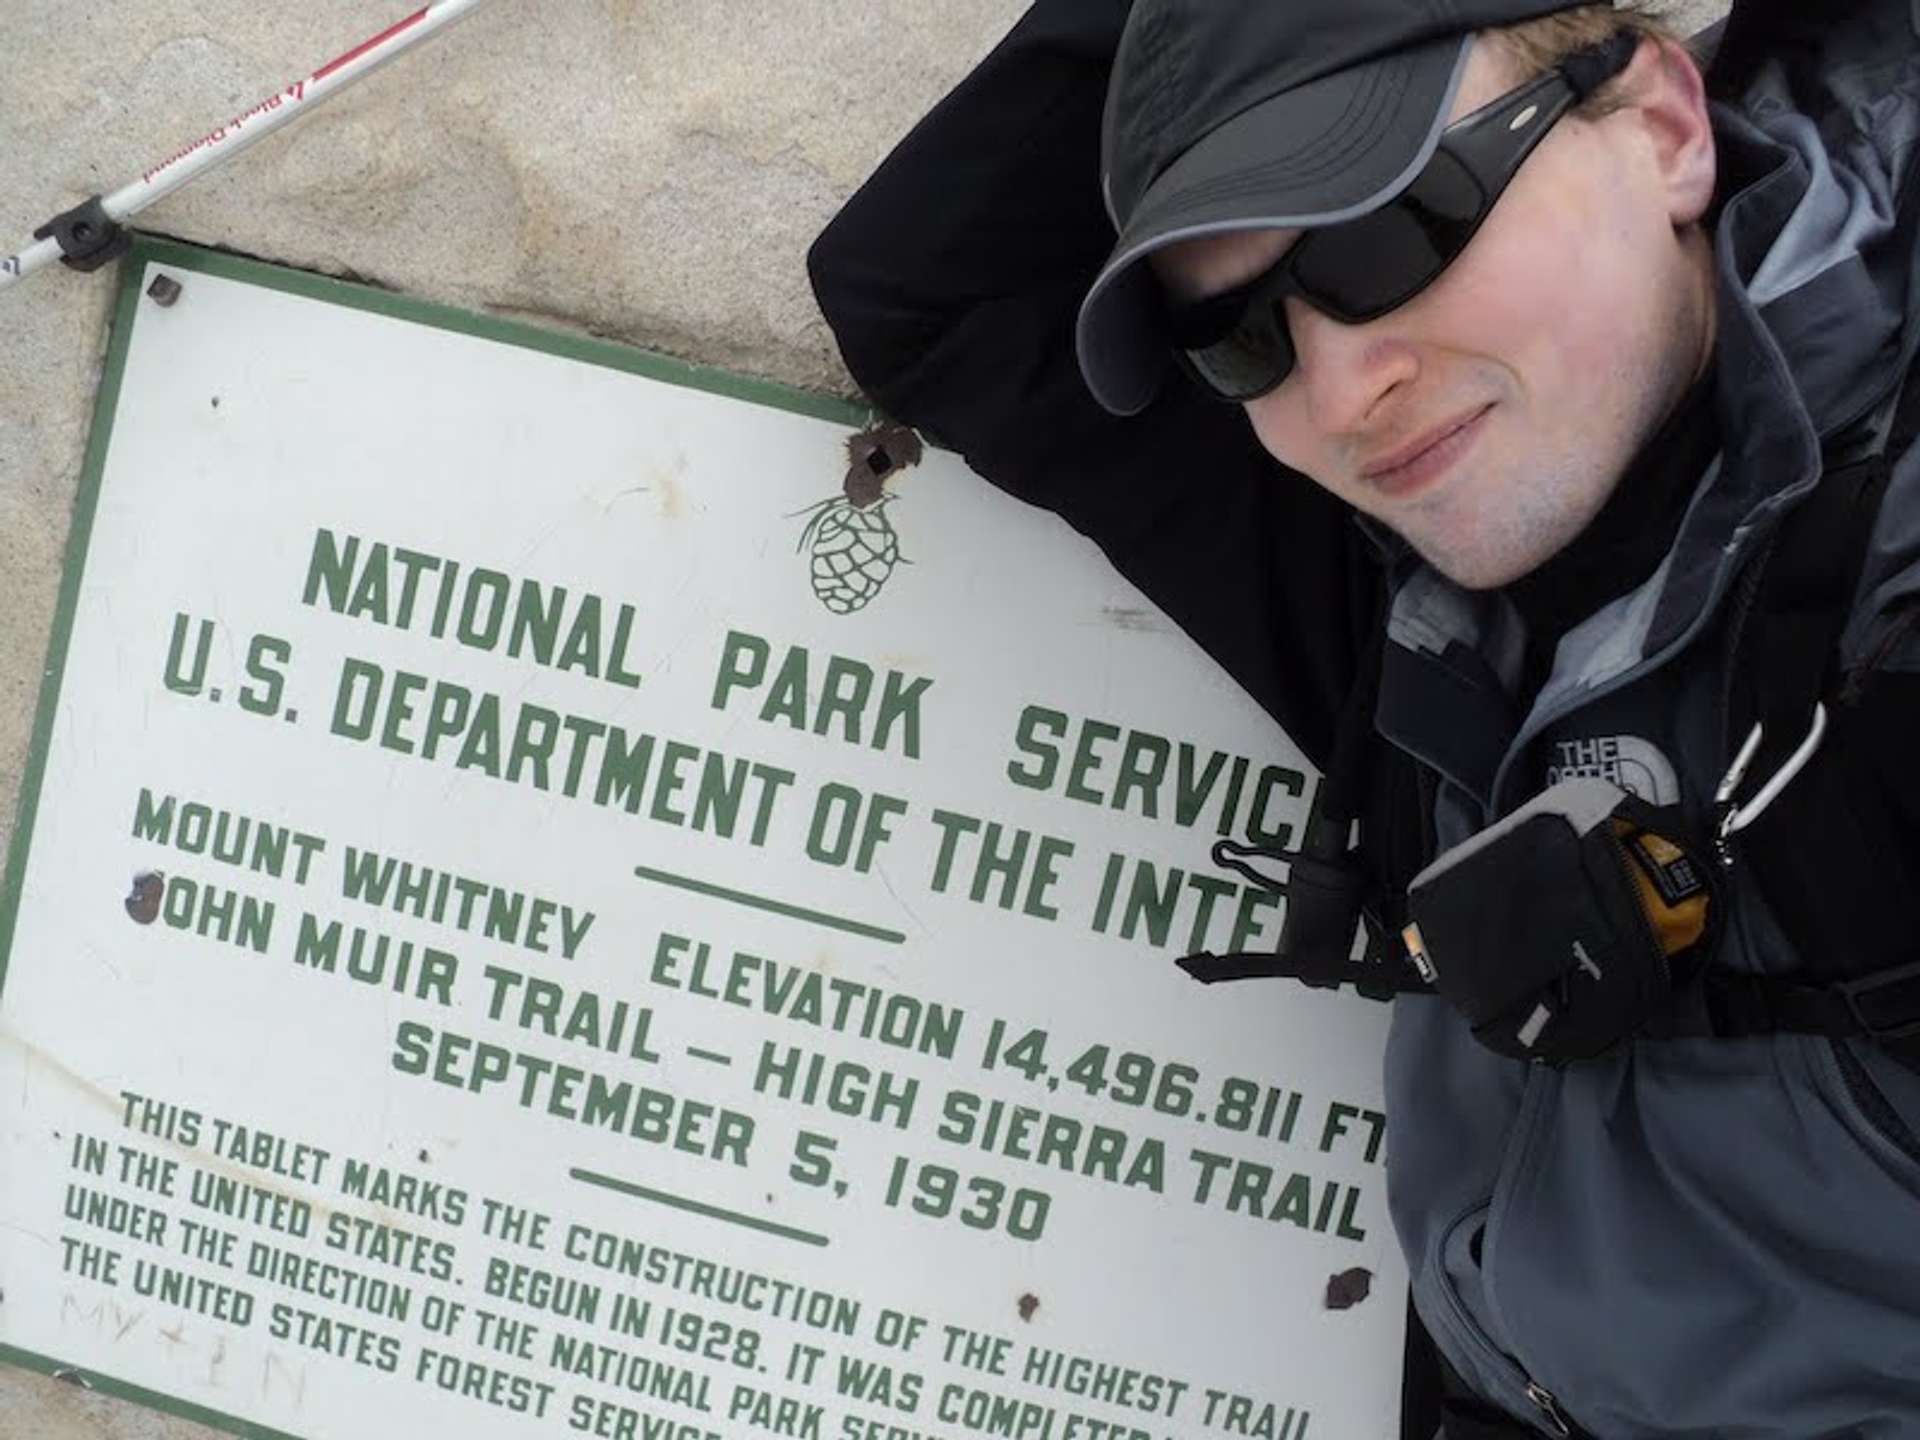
{"x": 1426, "y": 457}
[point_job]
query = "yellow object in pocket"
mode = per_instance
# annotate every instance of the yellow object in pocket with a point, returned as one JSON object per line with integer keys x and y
{"x": 1671, "y": 889}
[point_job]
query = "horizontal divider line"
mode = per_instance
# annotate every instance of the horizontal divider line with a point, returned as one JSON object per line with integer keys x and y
{"x": 776, "y": 907}
{"x": 697, "y": 1207}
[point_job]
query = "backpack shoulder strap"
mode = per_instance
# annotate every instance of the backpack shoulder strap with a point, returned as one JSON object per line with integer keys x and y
{"x": 1786, "y": 664}
{"x": 1329, "y": 882}
{"x": 1788, "y": 656}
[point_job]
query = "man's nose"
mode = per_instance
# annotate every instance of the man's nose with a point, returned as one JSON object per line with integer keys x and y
{"x": 1346, "y": 371}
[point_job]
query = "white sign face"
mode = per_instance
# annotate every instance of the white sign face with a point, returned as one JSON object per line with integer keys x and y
{"x": 538, "y": 915}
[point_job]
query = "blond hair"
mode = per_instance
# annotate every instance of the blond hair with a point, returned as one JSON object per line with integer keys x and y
{"x": 1532, "y": 47}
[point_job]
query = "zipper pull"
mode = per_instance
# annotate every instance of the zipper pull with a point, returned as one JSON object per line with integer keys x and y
{"x": 1550, "y": 1407}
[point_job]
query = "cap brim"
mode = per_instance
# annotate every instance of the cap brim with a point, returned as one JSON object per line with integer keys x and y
{"x": 1326, "y": 152}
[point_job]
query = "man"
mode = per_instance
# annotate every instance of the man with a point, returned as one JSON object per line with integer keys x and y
{"x": 1602, "y": 357}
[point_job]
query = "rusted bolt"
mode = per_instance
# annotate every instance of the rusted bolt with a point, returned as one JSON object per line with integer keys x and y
{"x": 164, "y": 291}
{"x": 143, "y": 904}
{"x": 1028, "y": 1304}
{"x": 874, "y": 454}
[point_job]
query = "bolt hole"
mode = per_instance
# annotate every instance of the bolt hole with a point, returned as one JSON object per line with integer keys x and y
{"x": 143, "y": 901}
{"x": 879, "y": 462}
{"x": 1349, "y": 1288}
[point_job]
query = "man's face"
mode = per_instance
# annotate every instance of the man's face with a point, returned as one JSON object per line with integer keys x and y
{"x": 1488, "y": 418}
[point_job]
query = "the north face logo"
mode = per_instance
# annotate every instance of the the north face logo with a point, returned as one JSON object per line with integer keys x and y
{"x": 1635, "y": 765}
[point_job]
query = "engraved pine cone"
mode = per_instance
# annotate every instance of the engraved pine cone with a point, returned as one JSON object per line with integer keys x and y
{"x": 854, "y": 550}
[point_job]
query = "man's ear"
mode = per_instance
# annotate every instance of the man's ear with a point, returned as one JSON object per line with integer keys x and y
{"x": 1667, "y": 96}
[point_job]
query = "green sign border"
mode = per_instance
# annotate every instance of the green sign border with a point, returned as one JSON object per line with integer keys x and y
{"x": 175, "y": 255}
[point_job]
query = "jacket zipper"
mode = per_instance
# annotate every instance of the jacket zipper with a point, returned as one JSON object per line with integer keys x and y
{"x": 1645, "y": 925}
{"x": 1542, "y": 1399}
{"x": 1465, "y": 1329}
{"x": 1550, "y": 1409}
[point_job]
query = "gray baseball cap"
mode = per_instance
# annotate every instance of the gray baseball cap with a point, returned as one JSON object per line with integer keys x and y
{"x": 1253, "y": 114}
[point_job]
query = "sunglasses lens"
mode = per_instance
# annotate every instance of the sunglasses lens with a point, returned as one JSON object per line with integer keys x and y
{"x": 1386, "y": 258}
{"x": 1240, "y": 349}
{"x": 1250, "y": 358}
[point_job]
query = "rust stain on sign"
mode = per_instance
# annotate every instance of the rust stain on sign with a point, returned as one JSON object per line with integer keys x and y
{"x": 1027, "y": 1305}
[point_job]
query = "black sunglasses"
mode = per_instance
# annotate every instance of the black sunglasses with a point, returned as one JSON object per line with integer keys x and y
{"x": 1235, "y": 345}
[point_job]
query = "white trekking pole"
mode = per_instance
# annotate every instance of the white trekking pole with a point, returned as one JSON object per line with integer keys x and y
{"x": 89, "y": 235}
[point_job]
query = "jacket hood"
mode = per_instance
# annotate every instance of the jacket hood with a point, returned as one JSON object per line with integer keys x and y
{"x": 1814, "y": 254}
